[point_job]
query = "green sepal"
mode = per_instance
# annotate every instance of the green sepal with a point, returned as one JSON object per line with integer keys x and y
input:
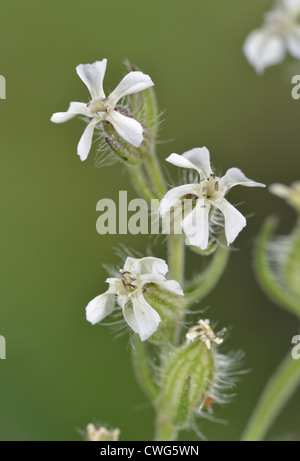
{"x": 170, "y": 308}
{"x": 186, "y": 379}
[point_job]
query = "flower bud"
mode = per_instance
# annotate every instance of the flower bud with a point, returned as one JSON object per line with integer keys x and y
{"x": 188, "y": 377}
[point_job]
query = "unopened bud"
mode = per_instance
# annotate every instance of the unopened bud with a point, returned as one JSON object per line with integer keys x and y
{"x": 187, "y": 378}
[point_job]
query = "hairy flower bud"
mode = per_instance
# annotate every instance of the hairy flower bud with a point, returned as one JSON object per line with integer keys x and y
{"x": 188, "y": 379}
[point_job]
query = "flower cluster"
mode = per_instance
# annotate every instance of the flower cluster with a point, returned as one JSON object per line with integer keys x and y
{"x": 181, "y": 369}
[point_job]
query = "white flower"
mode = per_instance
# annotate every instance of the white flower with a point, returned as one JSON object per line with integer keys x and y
{"x": 267, "y": 45}
{"x": 290, "y": 193}
{"x": 205, "y": 333}
{"x": 207, "y": 193}
{"x": 129, "y": 290}
{"x": 101, "y": 434}
{"x": 101, "y": 108}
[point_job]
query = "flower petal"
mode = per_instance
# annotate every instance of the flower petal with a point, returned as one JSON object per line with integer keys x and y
{"x": 151, "y": 278}
{"x": 134, "y": 82}
{"x": 292, "y": 6}
{"x": 100, "y": 307}
{"x": 263, "y": 49}
{"x": 128, "y": 128}
{"x": 235, "y": 177}
{"x": 293, "y": 42}
{"x": 234, "y": 220}
{"x": 172, "y": 286}
{"x": 147, "y": 319}
{"x": 280, "y": 190}
{"x": 75, "y": 108}
{"x": 196, "y": 225}
{"x": 181, "y": 161}
{"x": 130, "y": 318}
{"x": 200, "y": 158}
{"x": 147, "y": 265}
{"x": 92, "y": 75}
{"x": 84, "y": 145}
{"x": 175, "y": 194}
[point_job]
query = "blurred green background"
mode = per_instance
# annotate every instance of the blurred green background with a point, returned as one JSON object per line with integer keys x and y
{"x": 60, "y": 372}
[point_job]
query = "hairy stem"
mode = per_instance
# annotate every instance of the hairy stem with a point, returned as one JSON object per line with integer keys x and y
{"x": 207, "y": 280}
{"x": 140, "y": 183}
{"x": 276, "y": 394}
{"x": 165, "y": 431}
{"x": 142, "y": 369}
{"x": 176, "y": 251}
{"x": 155, "y": 174}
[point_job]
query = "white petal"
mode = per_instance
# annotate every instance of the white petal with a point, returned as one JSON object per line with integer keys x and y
{"x": 92, "y": 75}
{"x": 292, "y": 5}
{"x": 151, "y": 278}
{"x": 175, "y": 194}
{"x": 234, "y": 220}
{"x": 122, "y": 300}
{"x": 84, "y": 145}
{"x": 196, "y": 225}
{"x": 200, "y": 158}
{"x": 130, "y": 318}
{"x": 147, "y": 265}
{"x": 280, "y": 190}
{"x": 115, "y": 284}
{"x": 147, "y": 319}
{"x": 172, "y": 286}
{"x": 293, "y": 42}
{"x": 128, "y": 128}
{"x": 181, "y": 161}
{"x": 75, "y": 108}
{"x": 235, "y": 177}
{"x": 134, "y": 82}
{"x": 263, "y": 49}
{"x": 100, "y": 307}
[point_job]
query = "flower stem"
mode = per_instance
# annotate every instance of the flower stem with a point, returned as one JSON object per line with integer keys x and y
{"x": 165, "y": 431}
{"x": 156, "y": 174}
{"x": 176, "y": 251}
{"x": 207, "y": 280}
{"x": 277, "y": 392}
{"x": 140, "y": 183}
{"x": 141, "y": 366}
{"x": 265, "y": 274}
